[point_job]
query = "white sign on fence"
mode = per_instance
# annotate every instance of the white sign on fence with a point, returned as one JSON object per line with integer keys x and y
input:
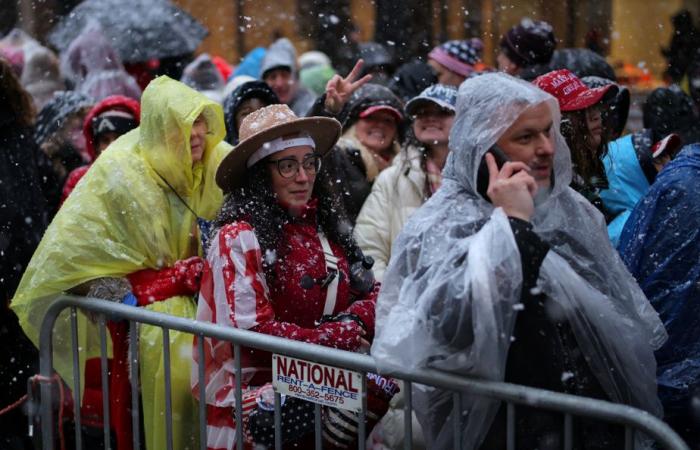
{"x": 317, "y": 383}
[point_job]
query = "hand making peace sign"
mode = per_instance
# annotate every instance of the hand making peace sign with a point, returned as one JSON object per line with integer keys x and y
{"x": 339, "y": 90}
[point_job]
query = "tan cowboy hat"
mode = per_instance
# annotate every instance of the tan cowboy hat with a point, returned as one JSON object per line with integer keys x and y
{"x": 265, "y": 125}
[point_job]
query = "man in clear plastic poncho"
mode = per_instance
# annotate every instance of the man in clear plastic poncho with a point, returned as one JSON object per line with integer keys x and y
{"x": 524, "y": 287}
{"x": 130, "y": 229}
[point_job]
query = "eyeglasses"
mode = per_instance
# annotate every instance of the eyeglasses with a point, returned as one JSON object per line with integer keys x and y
{"x": 289, "y": 167}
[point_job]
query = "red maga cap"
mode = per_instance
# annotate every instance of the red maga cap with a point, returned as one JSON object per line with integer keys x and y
{"x": 570, "y": 91}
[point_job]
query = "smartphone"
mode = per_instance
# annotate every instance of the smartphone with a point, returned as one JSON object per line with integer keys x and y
{"x": 482, "y": 178}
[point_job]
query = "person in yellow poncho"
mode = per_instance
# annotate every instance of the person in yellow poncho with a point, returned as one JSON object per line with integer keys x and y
{"x": 133, "y": 216}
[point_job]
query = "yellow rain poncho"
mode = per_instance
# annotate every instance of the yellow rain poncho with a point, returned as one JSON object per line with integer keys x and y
{"x": 123, "y": 217}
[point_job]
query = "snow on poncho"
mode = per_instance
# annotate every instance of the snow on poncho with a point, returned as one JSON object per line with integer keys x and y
{"x": 661, "y": 246}
{"x": 456, "y": 261}
{"x": 122, "y": 216}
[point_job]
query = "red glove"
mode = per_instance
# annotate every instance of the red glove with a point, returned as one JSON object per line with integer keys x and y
{"x": 189, "y": 272}
{"x": 151, "y": 285}
{"x": 341, "y": 335}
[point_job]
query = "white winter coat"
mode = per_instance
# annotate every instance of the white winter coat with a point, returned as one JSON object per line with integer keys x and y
{"x": 397, "y": 192}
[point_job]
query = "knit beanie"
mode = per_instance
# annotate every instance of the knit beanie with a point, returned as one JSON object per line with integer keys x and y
{"x": 529, "y": 43}
{"x": 459, "y": 56}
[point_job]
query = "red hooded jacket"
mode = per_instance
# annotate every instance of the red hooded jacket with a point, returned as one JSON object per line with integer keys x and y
{"x": 112, "y": 102}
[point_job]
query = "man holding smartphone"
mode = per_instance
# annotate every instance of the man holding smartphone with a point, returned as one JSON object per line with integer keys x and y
{"x": 517, "y": 283}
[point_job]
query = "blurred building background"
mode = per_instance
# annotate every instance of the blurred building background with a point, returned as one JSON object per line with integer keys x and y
{"x": 630, "y": 31}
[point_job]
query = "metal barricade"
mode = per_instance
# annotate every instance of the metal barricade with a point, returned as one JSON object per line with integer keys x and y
{"x": 634, "y": 420}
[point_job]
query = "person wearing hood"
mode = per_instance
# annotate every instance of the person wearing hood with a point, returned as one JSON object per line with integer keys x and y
{"x": 455, "y": 61}
{"x": 633, "y": 161}
{"x": 203, "y": 76}
{"x": 414, "y": 176}
{"x": 378, "y": 62}
{"x": 41, "y": 76}
{"x": 585, "y": 128}
{"x": 631, "y": 166}
{"x": 92, "y": 67}
{"x": 146, "y": 196}
{"x": 59, "y": 135}
{"x": 506, "y": 274}
{"x": 315, "y": 78}
{"x": 251, "y": 63}
{"x": 315, "y": 70}
{"x": 372, "y": 121}
{"x": 659, "y": 245}
{"x": 529, "y": 43}
{"x": 22, "y": 222}
{"x": 313, "y": 58}
{"x": 104, "y": 123}
{"x": 13, "y": 47}
{"x": 279, "y": 71}
{"x": 670, "y": 110}
{"x": 245, "y": 99}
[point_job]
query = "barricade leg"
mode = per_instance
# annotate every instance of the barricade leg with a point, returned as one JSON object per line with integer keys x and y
{"x": 76, "y": 378}
{"x": 134, "y": 375}
{"x": 105, "y": 382}
{"x": 153, "y": 395}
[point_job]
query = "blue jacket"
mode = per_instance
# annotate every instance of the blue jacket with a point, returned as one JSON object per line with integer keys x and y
{"x": 626, "y": 181}
{"x": 660, "y": 244}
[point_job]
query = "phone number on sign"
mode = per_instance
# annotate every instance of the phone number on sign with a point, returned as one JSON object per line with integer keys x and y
{"x": 313, "y": 394}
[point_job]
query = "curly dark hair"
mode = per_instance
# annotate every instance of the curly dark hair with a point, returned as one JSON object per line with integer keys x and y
{"x": 20, "y": 106}
{"x": 255, "y": 203}
{"x": 587, "y": 161}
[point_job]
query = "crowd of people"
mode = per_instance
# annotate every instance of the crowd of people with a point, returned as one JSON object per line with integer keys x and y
{"x": 492, "y": 222}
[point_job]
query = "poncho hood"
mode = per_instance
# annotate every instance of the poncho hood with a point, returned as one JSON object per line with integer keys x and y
{"x": 123, "y": 215}
{"x": 483, "y": 119}
{"x": 169, "y": 109}
{"x": 452, "y": 290}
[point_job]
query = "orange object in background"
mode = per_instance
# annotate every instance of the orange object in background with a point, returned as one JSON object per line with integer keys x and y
{"x": 632, "y": 75}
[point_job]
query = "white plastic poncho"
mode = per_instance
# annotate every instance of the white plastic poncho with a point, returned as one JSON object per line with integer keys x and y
{"x": 456, "y": 261}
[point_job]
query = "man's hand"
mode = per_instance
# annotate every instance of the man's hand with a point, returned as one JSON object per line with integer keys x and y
{"x": 339, "y": 90}
{"x": 512, "y": 188}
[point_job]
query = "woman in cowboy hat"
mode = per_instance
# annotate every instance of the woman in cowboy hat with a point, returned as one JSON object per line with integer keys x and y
{"x": 282, "y": 260}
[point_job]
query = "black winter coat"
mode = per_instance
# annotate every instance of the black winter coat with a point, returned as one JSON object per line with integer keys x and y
{"x": 23, "y": 218}
{"x": 344, "y": 165}
{"x": 544, "y": 354}
{"x": 23, "y": 215}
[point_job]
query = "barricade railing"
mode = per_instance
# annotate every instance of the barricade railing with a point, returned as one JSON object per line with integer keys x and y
{"x": 632, "y": 419}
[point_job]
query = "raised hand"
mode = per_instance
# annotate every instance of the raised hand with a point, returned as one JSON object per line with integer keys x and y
{"x": 512, "y": 188}
{"x": 339, "y": 89}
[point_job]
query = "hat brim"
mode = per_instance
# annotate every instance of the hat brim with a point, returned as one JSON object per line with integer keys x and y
{"x": 590, "y": 97}
{"x": 324, "y": 131}
{"x": 417, "y": 102}
{"x": 376, "y": 108}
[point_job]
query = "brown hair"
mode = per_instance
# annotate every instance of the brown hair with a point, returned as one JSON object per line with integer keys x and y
{"x": 587, "y": 161}
{"x": 14, "y": 97}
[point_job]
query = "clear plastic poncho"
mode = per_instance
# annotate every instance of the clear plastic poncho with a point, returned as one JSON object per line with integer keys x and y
{"x": 93, "y": 66}
{"x": 456, "y": 262}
